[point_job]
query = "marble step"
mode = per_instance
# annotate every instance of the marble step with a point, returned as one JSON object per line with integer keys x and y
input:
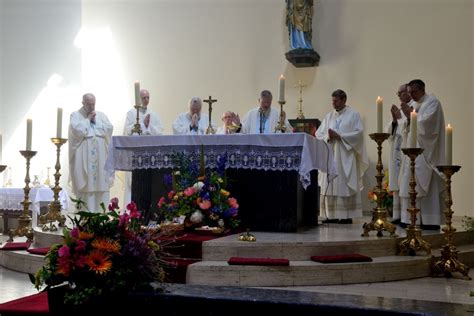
{"x": 46, "y": 239}
{"x": 302, "y": 246}
{"x": 305, "y": 272}
{"x": 21, "y": 261}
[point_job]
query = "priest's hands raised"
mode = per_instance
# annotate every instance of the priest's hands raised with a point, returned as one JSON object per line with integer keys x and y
{"x": 333, "y": 135}
{"x": 146, "y": 120}
{"x": 91, "y": 116}
{"x": 406, "y": 109}
{"x": 396, "y": 114}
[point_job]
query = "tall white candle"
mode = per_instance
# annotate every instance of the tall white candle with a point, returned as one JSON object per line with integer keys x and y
{"x": 59, "y": 126}
{"x": 138, "y": 100}
{"x": 29, "y": 130}
{"x": 449, "y": 145}
{"x": 282, "y": 88}
{"x": 413, "y": 126}
{"x": 379, "y": 102}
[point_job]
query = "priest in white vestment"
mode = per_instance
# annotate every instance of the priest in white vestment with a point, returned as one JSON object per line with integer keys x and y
{"x": 150, "y": 124}
{"x": 89, "y": 136}
{"x": 193, "y": 122}
{"x": 231, "y": 123}
{"x": 431, "y": 137}
{"x": 264, "y": 119}
{"x": 395, "y": 141}
{"x": 343, "y": 131}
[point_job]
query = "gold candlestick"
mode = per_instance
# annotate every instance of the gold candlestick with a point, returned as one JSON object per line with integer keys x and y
{"x": 449, "y": 262}
{"x": 24, "y": 221}
{"x": 54, "y": 212}
{"x": 210, "y": 129}
{"x": 379, "y": 214}
{"x": 47, "y": 182}
{"x": 413, "y": 241}
{"x": 281, "y": 127}
{"x": 300, "y": 100}
{"x": 247, "y": 236}
{"x": 137, "y": 129}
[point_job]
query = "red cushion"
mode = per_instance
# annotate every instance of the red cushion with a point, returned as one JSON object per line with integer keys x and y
{"x": 16, "y": 246}
{"x": 33, "y": 304}
{"x": 38, "y": 251}
{"x": 348, "y": 257}
{"x": 259, "y": 261}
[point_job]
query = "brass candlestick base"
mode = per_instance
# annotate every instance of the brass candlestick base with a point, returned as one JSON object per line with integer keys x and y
{"x": 379, "y": 214}
{"x": 449, "y": 262}
{"x": 281, "y": 127}
{"x": 247, "y": 236}
{"x": 2, "y": 168}
{"x": 24, "y": 221}
{"x": 54, "y": 212}
{"x": 137, "y": 129}
{"x": 414, "y": 240}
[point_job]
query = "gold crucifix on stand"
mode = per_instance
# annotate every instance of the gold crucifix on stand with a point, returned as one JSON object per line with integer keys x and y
{"x": 210, "y": 129}
{"x": 300, "y": 99}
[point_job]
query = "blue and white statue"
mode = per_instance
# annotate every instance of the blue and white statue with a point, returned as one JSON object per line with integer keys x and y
{"x": 299, "y": 14}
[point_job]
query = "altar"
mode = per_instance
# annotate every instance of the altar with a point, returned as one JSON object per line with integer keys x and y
{"x": 273, "y": 176}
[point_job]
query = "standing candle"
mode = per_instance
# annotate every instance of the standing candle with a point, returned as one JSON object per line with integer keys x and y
{"x": 59, "y": 126}
{"x": 29, "y": 129}
{"x": 413, "y": 125}
{"x": 449, "y": 145}
{"x": 282, "y": 88}
{"x": 137, "y": 94}
{"x": 379, "y": 102}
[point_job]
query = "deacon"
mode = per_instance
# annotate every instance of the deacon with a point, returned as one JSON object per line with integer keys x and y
{"x": 150, "y": 122}
{"x": 192, "y": 122}
{"x": 263, "y": 119}
{"x": 343, "y": 131}
{"x": 89, "y": 136}
{"x": 431, "y": 137}
{"x": 395, "y": 129}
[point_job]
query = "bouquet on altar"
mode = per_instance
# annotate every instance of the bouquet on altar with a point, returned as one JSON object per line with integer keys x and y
{"x": 387, "y": 201}
{"x": 104, "y": 254}
{"x": 198, "y": 197}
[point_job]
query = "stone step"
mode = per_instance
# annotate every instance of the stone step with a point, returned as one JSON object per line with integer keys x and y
{"x": 302, "y": 246}
{"x": 305, "y": 272}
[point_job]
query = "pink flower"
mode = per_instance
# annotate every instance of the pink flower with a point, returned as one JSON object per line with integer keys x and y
{"x": 170, "y": 194}
{"x": 80, "y": 261}
{"x": 113, "y": 205}
{"x": 75, "y": 232}
{"x": 80, "y": 246}
{"x": 233, "y": 202}
{"x": 161, "y": 201}
{"x": 134, "y": 213}
{"x": 123, "y": 219}
{"x": 205, "y": 204}
{"x": 64, "y": 251}
{"x": 189, "y": 191}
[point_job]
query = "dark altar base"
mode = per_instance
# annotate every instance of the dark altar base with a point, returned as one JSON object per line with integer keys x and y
{"x": 174, "y": 299}
{"x": 272, "y": 201}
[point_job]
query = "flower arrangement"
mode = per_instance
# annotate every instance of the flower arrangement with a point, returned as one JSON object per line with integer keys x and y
{"x": 198, "y": 197}
{"x": 103, "y": 254}
{"x": 387, "y": 201}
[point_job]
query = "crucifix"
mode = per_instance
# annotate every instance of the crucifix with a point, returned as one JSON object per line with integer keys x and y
{"x": 300, "y": 99}
{"x": 210, "y": 129}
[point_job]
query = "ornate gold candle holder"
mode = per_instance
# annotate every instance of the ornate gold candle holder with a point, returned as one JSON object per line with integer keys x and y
{"x": 413, "y": 241}
{"x": 137, "y": 129}
{"x": 379, "y": 214}
{"x": 24, "y": 221}
{"x": 449, "y": 262}
{"x": 247, "y": 236}
{"x": 281, "y": 127}
{"x": 54, "y": 208}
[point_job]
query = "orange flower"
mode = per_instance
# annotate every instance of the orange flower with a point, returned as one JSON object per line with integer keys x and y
{"x": 99, "y": 262}
{"x": 85, "y": 235}
{"x": 225, "y": 192}
{"x": 106, "y": 244}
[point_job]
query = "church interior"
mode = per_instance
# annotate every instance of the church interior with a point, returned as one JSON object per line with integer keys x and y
{"x": 53, "y": 52}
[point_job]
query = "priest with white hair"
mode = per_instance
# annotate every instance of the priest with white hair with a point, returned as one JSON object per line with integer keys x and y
{"x": 192, "y": 122}
{"x": 90, "y": 133}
